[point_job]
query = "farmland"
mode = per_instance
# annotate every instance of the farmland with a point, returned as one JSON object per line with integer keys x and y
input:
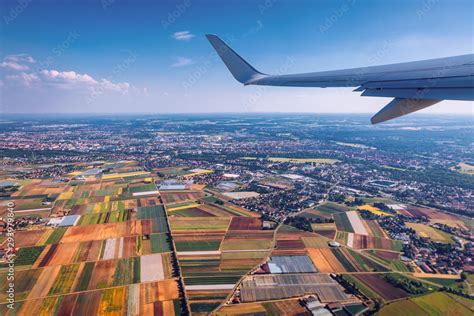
{"x": 194, "y": 250}
{"x": 116, "y": 257}
{"x": 427, "y": 231}
{"x": 439, "y": 303}
{"x": 367, "y": 242}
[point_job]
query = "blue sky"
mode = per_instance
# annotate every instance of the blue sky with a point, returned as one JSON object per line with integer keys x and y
{"x": 152, "y": 56}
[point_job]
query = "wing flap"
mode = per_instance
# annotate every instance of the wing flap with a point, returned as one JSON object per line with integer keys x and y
{"x": 428, "y": 93}
{"x": 399, "y": 107}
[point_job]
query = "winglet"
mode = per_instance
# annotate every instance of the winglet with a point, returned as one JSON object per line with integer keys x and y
{"x": 240, "y": 69}
{"x": 398, "y": 107}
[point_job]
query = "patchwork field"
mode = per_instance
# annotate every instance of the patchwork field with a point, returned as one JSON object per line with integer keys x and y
{"x": 117, "y": 260}
{"x": 374, "y": 286}
{"x": 367, "y": 242}
{"x": 180, "y": 196}
{"x": 435, "y": 216}
{"x": 439, "y": 303}
{"x": 136, "y": 250}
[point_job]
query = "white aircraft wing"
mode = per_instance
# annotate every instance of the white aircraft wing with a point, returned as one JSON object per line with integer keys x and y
{"x": 413, "y": 85}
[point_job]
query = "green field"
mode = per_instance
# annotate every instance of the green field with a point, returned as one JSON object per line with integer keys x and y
{"x": 343, "y": 260}
{"x": 246, "y": 244}
{"x": 84, "y": 278}
{"x": 199, "y": 245}
{"x": 105, "y": 217}
{"x": 123, "y": 274}
{"x": 142, "y": 188}
{"x": 212, "y": 280}
{"x": 332, "y": 208}
{"x": 245, "y": 255}
{"x": 56, "y": 235}
{"x": 160, "y": 243}
{"x": 343, "y": 223}
{"x": 437, "y": 303}
{"x": 394, "y": 264}
{"x": 367, "y": 264}
{"x": 28, "y": 256}
{"x": 203, "y": 307}
{"x": 402, "y": 308}
{"x": 65, "y": 279}
{"x": 157, "y": 214}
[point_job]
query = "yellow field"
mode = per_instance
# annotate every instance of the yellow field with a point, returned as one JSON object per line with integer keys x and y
{"x": 465, "y": 168}
{"x": 183, "y": 207}
{"x": 438, "y": 276}
{"x": 423, "y": 230}
{"x": 65, "y": 195}
{"x": 124, "y": 175}
{"x": 198, "y": 173}
{"x": 323, "y": 226}
{"x": 240, "y": 309}
{"x": 374, "y": 210}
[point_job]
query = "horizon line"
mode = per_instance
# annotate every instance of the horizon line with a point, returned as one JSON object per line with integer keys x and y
{"x": 223, "y": 113}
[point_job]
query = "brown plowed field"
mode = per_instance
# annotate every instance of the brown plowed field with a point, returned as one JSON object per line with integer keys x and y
{"x": 245, "y": 223}
{"x": 107, "y": 231}
{"x": 380, "y": 286}
{"x": 324, "y": 260}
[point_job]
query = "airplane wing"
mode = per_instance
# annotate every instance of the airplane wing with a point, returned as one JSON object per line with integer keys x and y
{"x": 413, "y": 85}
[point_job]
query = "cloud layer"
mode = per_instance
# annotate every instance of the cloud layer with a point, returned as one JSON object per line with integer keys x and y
{"x": 182, "y": 61}
{"x": 183, "y": 36}
{"x": 18, "y": 73}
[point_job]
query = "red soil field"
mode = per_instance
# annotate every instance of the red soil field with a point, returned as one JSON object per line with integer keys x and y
{"x": 107, "y": 231}
{"x": 289, "y": 252}
{"x": 88, "y": 303}
{"x": 102, "y": 274}
{"x": 328, "y": 233}
{"x": 245, "y": 223}
{"x": 288, "y": 244}
{"x": 254, "y": 235}
{"x": 193, "y": 237}
{"x": 67, "y": 305}
{"x": 174, "y": 197}
{"x": 387, "y": 255}
{"x": 28, "y": 238}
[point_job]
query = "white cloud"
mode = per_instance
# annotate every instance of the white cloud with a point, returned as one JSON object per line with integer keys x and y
{"x": 20, "y": 58}
{"x": 183, "y": 36}
{"x": 117, "y": 87}
{"x": 13, "y": 66}
{"x": 17, "y": 62}
{"x": 67, "y": 77}
{"x": 182, "y": 61}
{"x": 24, "y": 78}
{"x": 69, "y": 80}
